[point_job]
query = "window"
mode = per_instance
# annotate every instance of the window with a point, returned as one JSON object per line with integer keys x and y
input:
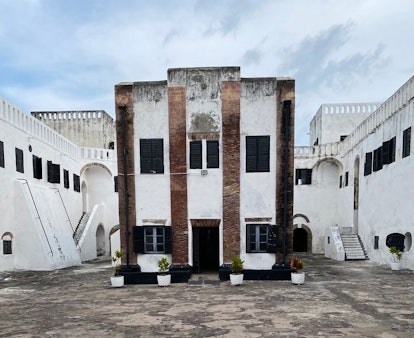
{"x": 196, "y": 153}
{"x": 377, "y": 163}
{"x": 256, "y": 238}
{"x": 76, "y": 183}
{"x": 53, "y": 172}
{"x": 116, "y": 183}
{"x": 152, "y": 239}
{"x": 7, "y": 244}
{"x": 376, "y": 242}
{"x": 212, "y": 154}
{"x": 37, "y": 167}
{"x": 19, "y": 161}
{"x": 340, "y": 181}
{"x": 388, "y": 151}
{"x": 406, "y": 142}
{"x": 368, "y": 164}
{"x": 343, "y": 137}
{"x": 66, "y": 178}
{"x": 257, "y": 153}
{"x": 152, "y": 156}
{"x": 1, "y": 154}
{"x": 303, "y": 176}
{"x": 346, "y": 178}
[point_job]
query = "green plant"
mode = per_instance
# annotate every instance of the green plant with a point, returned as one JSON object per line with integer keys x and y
{"x": 116, "y": 258}
{"x": 163, "y": 265}
{"x": 296, "y": 264}
{"x": 236, "y": 265}
{"x": 396, "y": 253}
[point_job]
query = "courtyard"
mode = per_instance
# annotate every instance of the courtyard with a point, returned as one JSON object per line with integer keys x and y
{"x": 347, "y": 299}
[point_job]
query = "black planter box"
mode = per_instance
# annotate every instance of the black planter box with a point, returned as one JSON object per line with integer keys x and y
{"x": 133, "y": 275}
{"x": 278, "y": 272}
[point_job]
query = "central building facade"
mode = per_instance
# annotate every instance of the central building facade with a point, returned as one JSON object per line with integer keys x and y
{"x": 205, "y": 165}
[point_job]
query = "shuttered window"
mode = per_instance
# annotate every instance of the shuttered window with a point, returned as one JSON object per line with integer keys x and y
{"x": 152, "y": 156}
{"x": 19, "y": 161}
{"x": 152, "y": 239}
{"x": 196, "y": 155}
{"x": 213, "y": 154}
{"x": 1, "y": 154}
{"x": 368, "y": 164}
{"x": 406, "y": 142}
{"x": 303, "y": 176}
{"x": 37, "y": 167}
{"x": 116, "y": 183}
{"x": 257, "y": 153}
{"x": 76, "y": 183}
{"x": 377, "y": 163}
{"x": 388, "y": 151}
{"x": 66, "y": 178}
{"x": 53, "y": 172}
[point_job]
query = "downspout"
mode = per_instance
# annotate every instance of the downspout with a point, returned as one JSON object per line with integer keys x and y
{"x": 126, "y": 194}
{"x": 286, "y": 113}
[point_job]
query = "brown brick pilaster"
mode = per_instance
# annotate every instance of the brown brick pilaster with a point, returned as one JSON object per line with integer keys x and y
{"x": 231, "y": 169}
{"x": 284, "y": 174}
{"x": 126, "y": 179}
{"x": 178, "y": 169}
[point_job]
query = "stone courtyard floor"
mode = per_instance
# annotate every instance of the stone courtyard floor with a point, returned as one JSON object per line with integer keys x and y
{"x": 345, "y": 299}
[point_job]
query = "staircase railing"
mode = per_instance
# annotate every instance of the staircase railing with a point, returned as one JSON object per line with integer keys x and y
{"x": 37, "y": 212}
{"x": 64, "y": 207}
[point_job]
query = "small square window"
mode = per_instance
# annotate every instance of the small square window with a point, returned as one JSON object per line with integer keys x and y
{"x": 303, "y": 176}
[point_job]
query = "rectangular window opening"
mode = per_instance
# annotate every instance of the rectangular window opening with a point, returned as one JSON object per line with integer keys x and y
{"x": 257, "y": 153}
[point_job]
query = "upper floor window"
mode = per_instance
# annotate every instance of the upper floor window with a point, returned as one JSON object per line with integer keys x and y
{"x": 213, "y": 154}
{"x": 152, "y": 156}
{"x": 346, "y": 178}
{"x": 196, "y": 155}
{"x": 19, "y": 161}
{"x": 53, "y": 172}
{"x": 257, "y": 153}
{"x": 76, "y": 183}
{"x": 388, "y": 151}
{"x": 377, "y": 162}
{"x": 368, "y": 164}
{"x": 66, "y": 178}
{"x": 37, "y": 167}
{"x": 406, "y": 142}
{"x": 1, "y": 154}
{"x": 303, "y": 176}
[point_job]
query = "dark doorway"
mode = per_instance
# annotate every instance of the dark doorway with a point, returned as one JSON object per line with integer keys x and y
{"x": 205, "y": 249}
{"x": 300, "y": 240}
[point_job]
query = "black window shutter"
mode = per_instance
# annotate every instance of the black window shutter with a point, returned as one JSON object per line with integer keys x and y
{"x": 272, "y": 238}
{"x": 195, "y": 155}
{"x": 368, "y": 164}
{"x": 158, "y": 155}
{"x": 66, "y": 178}
{"x": 406, "y": 142}
{"x": 308, "y": 176}
{"x": 37, "y": 167}
{"x": 116, "y": 183}
{"x": 393, "y": 143}
{"x": 146, "y": 155}
{"x": 1, "y": 154}
{"x": 386, "y": 152}
{"x": 212, "y": 154}
{"x": 19, "y": 160}
{"x": 251, "y": 153}
{"x": 168, "y": 240}
{"x": 76, "y": 183}
{"x": 263, "y": 149}
{"x": 138, "y": 239}
{"x": 248, "y": 239}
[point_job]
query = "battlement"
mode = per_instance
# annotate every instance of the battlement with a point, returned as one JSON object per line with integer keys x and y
{"x": 348, "y": 108}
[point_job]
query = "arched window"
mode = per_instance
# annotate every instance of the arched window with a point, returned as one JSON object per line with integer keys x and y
{"x": 7, "y": 243}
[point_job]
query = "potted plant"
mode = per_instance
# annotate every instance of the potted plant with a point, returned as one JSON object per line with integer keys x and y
{"x": 396, "y": 256}
{"x": 163, "y": 277}
{"x": 117, "y": 280}
{"x": 236, "y": 267}
{"x": 297, "y": 276}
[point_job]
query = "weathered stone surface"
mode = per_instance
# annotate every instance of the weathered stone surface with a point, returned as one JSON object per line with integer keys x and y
{"x": 352, "y": 299}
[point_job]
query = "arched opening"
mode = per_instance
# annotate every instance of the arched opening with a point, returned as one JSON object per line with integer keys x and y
{"x": 300, "y": 240}
{"x": 100, "y": 241}
{"x": 7, "y": 243}
{"x": 84, "y": 197}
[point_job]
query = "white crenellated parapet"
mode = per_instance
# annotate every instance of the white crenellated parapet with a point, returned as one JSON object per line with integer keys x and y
{"x": 71, "y": 115}
{"x": 34, "y": 127}
{"x": 98, "y": 154}
{"x": 348, "y": 108}
{"x": 328, "y": 149}
{"x": 390, "y": 107}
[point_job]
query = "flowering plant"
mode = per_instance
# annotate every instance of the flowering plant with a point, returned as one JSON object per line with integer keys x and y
{"x": 296, "y": 264}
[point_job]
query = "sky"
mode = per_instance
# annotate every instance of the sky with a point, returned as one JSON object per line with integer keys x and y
{"x": 69, "y": 54}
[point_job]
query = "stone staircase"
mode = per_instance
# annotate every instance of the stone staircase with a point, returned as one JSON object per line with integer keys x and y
{"x": 354, "y": 249}
{"x": 80, "y": 227}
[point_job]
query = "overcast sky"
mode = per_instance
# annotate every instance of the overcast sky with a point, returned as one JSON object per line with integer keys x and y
{"x": 69, "y": 54}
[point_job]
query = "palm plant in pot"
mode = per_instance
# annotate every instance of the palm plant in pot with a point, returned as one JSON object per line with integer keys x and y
{"x": 396, "y": 256}
{"x": 297, "y": 275}
{"x": 236, "y": 267}
{"x": 117, "y": 280}
{"x": 163, "y": 277}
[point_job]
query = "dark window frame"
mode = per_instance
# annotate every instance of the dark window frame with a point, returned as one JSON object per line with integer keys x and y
{"x": 76, "y": 183}
{"x": 37, "y": 167}
{"x": 116, "y": 183}
{"x": 346, "y": 178}
{"x": 66, "y": 178}
{"x": 377, "y": 161}
{"x": 303, "y": 174}
{"x": 53, "y": 172}
{"x": 7, "y": 247}
{"x": 196, "y": 155}
{"x": 257, "y": 153}
{"x": 406, "y": 147}
{"x": 2, "y": 154}
{"x": 152, "y": 155}
{"x": 368, "y": 164}
{"x": 19, "y": 160}
{"x": 213, "y": 154}
{"x": 255, "y": 243}
{"x": 140, "y": 242}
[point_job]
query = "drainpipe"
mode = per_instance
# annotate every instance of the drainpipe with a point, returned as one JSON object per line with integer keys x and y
{"x": 286, "y": 113}
{"x": 126, "y": 198}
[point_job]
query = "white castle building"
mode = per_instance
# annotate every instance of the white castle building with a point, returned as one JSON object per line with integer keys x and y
{"x": 353, "y": 182}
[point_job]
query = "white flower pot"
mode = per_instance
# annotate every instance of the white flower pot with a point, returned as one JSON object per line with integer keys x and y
{"x": 298, "y": 277}
{"x": 236, "y": 279}
{"x": 395, "y": 266}
{"x": 117, "y": 281}
{"x": 164, "y": 280}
